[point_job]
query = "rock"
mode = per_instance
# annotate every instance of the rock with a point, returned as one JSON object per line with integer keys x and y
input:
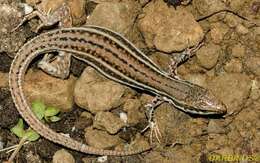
{"x": 252, "y": 63}
{"x": 169, "y": 30}
{"x": 238, "y": 50}
{"x": 240, "y": 29}
{"x": 231, "y": 20}
{"x": 232, "y": 89}
{"x": 32, "y": 2}
{"x": 118, "y": 16}
{"x": 216, "y": 141}
{"x": 85, "y": 120}
{"x": 236, "y": 5}
{"x": 176, "y": 126}
{"x": 234, "y": 66}
{"x": 77, "y": 14}
{"x": 108, "y": 121}
{"x": 155, "y": 156}
{"x": 216, "y": 127}
{"x": 208, "y": 55}
{"x": 101, "y": 139}
{"x": 224, "y": 151}
{"x": 63, "y": 156}
{"x": 139, "y": 142}
{"x": 3, "y": 79}
{"x": 132, "y": 107}
{"x": 206, "y": 7}
{"x": 52, "y": 91}
{"x": 95, "y": 93}
{"x": 77, "y": 9}
{"x": 10, "y": 42}
{"x": 255, "y": 91}
{"x": 218, "y": 31}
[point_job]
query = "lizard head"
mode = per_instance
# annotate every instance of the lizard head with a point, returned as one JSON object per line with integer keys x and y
{"x": 199, "y": 101}
{"x": 207, "y": 104}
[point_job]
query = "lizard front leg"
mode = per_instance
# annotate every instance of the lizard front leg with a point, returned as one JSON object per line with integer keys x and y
{"x": 180, "y": 58}
{"x": 58, "y": 66}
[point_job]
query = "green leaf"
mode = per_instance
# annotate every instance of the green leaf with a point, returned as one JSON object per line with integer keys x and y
{"x": 54, "y": 119}
{"x": 38, "y": 109}
{"x": 18, "y": 129}
{"x": 31, "y": 135}
{"x": 51, "y": 111}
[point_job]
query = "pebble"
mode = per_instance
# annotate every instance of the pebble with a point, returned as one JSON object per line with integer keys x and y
{"x": 253, "y": 65}
{"x": 232, "y": 89}
{"x": 168, "y": 30}
{"x": 218, "y": 31}
{"x": 63, "y": 156}
{"x": 215, "y": 127}
{"x": 101, "y": 139}
{"x": 95, "y": 93}
{"x": 208, "y": 55}
{"x": 10, "y": 42}
{"x": 27, "y": 8}
{"x": 118, "y": 16}
{"x": 255, "y": 91}
{"x": 234, "y": 65}
{"x": 108, "y": 121}
{"x": 238, "y": 50}
{"x": 240, "y": 29}
{"x": 134, "y": 116}
{"x": 52, "y": 91}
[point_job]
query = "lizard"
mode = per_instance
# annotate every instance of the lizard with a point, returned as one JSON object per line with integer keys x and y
{"x": 116, "y": 58}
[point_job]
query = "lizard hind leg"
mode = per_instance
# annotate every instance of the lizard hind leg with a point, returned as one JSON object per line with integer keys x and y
{"x": 151, "y": 123}
{"x": 57, "y": 66}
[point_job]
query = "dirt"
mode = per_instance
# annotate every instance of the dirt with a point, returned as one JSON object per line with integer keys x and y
{"x": 227, "y": 64}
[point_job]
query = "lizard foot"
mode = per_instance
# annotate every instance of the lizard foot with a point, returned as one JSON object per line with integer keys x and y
{"x": 151, "y": 123}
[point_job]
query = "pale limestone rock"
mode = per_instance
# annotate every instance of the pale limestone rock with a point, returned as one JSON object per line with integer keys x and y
{"x": 208, "y": 55}
{"x": 218, "y": 32}
{"x": 253, "y": 65}
{"x": 52, "y": 91}
{"x": 101, "y": 139}
{"x": 118, "y": 16}
{"x": 63, "y": 156}
{"x": 234, "y": 66}
{"x": 94, "y": 93}
{"x": 108, "y": 121}
{"x": 233, "y": 89}
{"x": 132, "y": 107}
{"x": 238, "y": 50}
{"x": 167, "y": 29}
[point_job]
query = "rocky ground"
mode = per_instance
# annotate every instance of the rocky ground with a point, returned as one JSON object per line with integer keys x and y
{"x": 108, "y": 115}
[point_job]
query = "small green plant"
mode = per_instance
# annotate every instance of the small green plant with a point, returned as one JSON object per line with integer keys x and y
{"x": 42, "y": 112}
{"x": 49, "y": 113}
{"x": 20, "y": 132}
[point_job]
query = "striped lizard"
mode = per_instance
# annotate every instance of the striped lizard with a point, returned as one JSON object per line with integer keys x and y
{"x": 117, "y": 59}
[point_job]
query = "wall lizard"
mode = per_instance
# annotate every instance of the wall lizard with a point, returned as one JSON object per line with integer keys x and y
{"x": 117, "y": 59}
